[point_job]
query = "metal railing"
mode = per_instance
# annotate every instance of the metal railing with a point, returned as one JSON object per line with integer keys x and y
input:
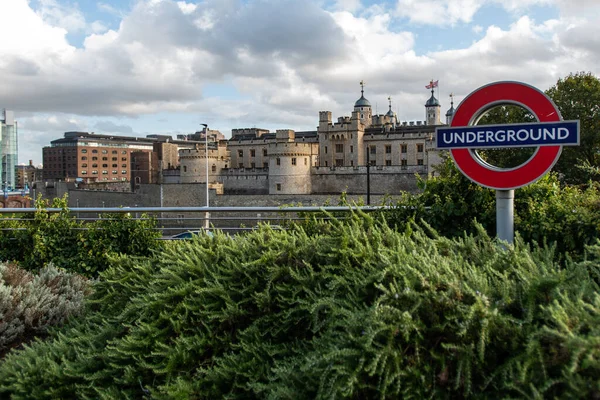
{"x": 174, "y": 220}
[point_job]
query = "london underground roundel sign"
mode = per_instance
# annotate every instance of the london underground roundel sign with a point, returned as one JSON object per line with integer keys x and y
{"x": 549, "y": 135}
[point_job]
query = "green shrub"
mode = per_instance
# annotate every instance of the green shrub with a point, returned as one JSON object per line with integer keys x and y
{"x": 545, "y": 211}
{"x": 29, "y": 304}
{"x": 60, "y": 239}
{"x": 358, "y": 310}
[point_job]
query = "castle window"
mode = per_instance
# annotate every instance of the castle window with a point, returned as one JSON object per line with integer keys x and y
{"x": 305, "y": 161}
{"x": 265, "y": 165}
{"x": 185, "y": 168}
{"x": 241, "y": 165}
{"x": 404, "y": 163}
{"x": 214, "y": 168}
{"x": 372, "y": 163}
{"x": 252, "y": 153}
{"x": 351, "y": 149}
{"x": 325, "y": 149}
{"x": 240, "y": 153}
{"x": 278, "y": 187}
{"x": 294, "y": 161}
{"x": 352, "y": 163}
{"x": 420, "y": 161}
{"x": 339, "y": 148}
{"x": 339, "y": 162}
{"x": 278, "y": 161}
{"x": 373, "y": 149}
{"x": 264, "y": 152}
{"x": 388, "y": 149}
{"x": 253, "y": 165}
{"x": 404, "y": 148}
{"x": 388, "y": 162}
{"x": 419, "y": 147}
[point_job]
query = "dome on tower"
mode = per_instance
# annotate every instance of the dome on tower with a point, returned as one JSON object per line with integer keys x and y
{"x": 390, "y": 113}
{"x": 450, "y": 111}
{"x": 362, "y": 102}
{"x": 432, "y": 101}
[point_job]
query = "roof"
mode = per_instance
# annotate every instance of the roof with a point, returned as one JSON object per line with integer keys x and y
{"x": 432, "y": 101}
{"x": 362, "y": 102}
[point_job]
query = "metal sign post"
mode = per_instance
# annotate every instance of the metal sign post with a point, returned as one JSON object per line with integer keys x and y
{"x": 548, "y": 135}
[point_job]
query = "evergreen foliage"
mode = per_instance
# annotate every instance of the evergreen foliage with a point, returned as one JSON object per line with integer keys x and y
{"x": 29, "y": 304}
{"x": 358, "y": 310}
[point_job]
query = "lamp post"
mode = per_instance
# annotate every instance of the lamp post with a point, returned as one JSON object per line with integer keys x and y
{"x": 206, "y": 215}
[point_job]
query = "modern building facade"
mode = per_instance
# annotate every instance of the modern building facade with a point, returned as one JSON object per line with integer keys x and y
{"x": 9, "y": 148}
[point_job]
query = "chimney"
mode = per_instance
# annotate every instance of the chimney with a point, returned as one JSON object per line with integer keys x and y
{"x": 31, "y": 163}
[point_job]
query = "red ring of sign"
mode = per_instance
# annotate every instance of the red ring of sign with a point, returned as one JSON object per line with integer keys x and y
{"x": 506, "y": 92}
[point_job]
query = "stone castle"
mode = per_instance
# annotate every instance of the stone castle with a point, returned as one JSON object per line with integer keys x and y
{"x": 336, "y": 157}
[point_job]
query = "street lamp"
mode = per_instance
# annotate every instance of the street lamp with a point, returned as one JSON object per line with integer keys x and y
{"x": 206, "y": 220}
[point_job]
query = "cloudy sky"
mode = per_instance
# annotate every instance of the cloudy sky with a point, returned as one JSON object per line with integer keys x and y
{"x": 137, "y": 67}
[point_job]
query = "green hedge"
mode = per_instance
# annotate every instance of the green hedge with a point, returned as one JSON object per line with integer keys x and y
{"x": 545, "y": 212}
{"x": 358, "y": 310}
{"x": 58, "y": 238}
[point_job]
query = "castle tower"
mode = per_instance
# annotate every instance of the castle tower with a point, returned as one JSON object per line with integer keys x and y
{"x": 363, "y": 106}
{"x": 390, "y": 114}
{"x": 432, "y": 107}
{"x": 450, "y": 112}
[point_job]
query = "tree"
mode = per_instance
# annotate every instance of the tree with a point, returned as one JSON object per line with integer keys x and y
{"x": 506, "y": 114}
{"x": 578, "y": 97}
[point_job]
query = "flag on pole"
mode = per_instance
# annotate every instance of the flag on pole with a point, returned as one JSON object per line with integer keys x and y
{"x": 432, "y": 84}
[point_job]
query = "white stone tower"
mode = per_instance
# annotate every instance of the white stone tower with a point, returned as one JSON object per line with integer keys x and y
{"x": 363, "y": 106}
{"x": 433, "y": 109}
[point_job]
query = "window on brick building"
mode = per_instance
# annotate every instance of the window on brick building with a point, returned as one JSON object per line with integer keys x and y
{"x": 104, "y": 165}
{"x": 84, "y": 165}
{"x": 94, "y": 165}
{"x": 84, "y": 150}
{"x": 114, "y": 158}
{"x": 95, "y": 151}
{"x": 84, "y": 158}
{"x": 114, "y": 165}
{"x": 104, "y": 158}
{"x": 123, "y": 158}
{"x": 104, "y": 152}
{"x": 114, "y": 152}
{"x": 123, "y": 165}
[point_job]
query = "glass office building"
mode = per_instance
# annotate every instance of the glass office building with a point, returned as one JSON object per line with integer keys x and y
{"x": 8, "y": 149}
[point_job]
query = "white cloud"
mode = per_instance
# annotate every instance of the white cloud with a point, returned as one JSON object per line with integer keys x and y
{"x": 347, "y": 5}
{"x": 478, "y": 29}
{"x": 68, "y": 17}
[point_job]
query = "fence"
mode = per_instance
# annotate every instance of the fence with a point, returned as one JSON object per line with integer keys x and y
{"x": 174, "y": 220}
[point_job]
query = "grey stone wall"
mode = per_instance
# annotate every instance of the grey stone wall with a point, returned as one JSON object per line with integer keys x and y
{"x": 353, "y": 180}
